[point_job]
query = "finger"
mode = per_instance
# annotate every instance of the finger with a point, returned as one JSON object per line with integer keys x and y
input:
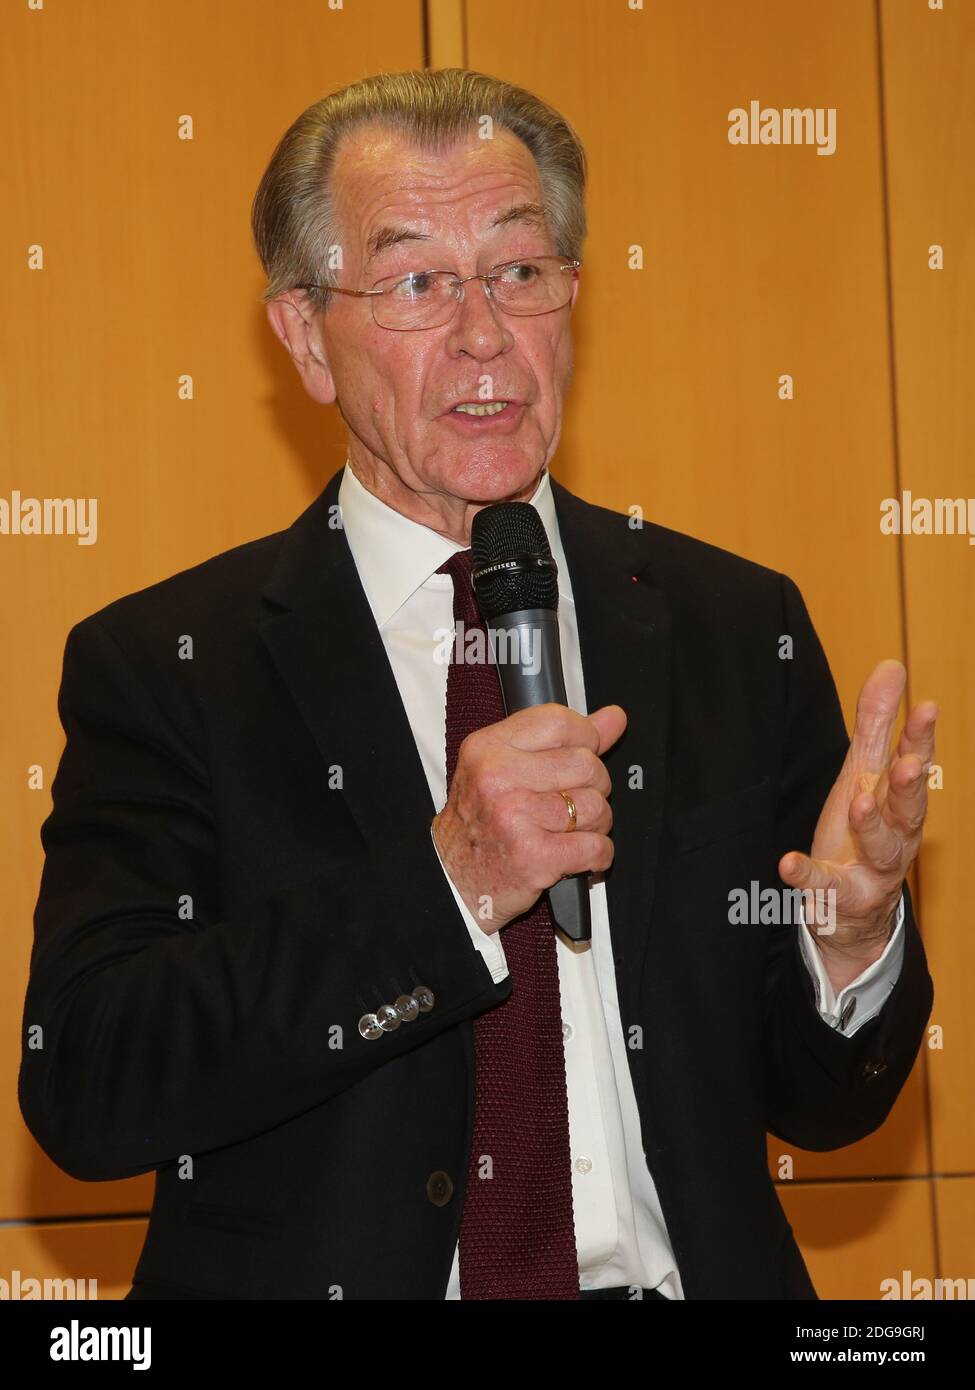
{"x": 582, "y": 851}
{"x": 907, "y": 796}
{"x": 555, "y": 769}
{"x": 877, "y": 706}
{"x": 611, "y": 721}
{"x": 918, "y": 733}
{"x": 881, "y": 846}
{"x": 801, "y": 871}
{"x": 551, "y": 726}
{"x": 550, "y": 810}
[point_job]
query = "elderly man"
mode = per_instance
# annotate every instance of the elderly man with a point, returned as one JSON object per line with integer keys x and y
{"x": 294, "y": 947}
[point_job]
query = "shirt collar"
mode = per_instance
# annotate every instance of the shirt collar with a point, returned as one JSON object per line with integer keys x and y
{"x": 395, "y": 555}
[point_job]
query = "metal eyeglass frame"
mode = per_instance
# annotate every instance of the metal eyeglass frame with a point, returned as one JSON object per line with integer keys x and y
{"x": 487, "y": 277}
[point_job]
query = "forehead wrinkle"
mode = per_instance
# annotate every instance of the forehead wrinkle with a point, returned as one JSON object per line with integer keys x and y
{"x": 528, "y": 214}
{"x": 417, "y": 209}
{"x": 415, "y": 205}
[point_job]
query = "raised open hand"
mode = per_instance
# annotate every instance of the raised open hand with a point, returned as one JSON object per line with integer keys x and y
{"x": 869, "y": 830}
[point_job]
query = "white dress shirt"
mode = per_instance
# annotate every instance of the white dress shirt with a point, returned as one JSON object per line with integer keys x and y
{"x": 620, "y": 1231}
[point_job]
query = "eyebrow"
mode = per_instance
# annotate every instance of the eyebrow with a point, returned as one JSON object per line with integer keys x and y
{"x": 530, "y": 214}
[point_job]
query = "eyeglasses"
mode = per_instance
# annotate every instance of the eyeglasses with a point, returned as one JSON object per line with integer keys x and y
{"x": 429, "y": 298}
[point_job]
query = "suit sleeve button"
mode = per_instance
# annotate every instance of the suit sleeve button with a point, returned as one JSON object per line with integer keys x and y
{"x": 389, "y": 1019}
{"x": 407, "y": 1006}
{"x": 369, "y": 1026}
{"x": 423, "y": 995}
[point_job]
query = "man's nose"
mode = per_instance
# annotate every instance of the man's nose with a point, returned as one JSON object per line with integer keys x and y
{"x": 478, "y": 325}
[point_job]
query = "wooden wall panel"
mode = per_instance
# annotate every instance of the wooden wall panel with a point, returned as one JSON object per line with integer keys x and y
{"x": 929, "y": 59}
{"x": 955, "y": 1209}
{"x": 854, "y": 1235}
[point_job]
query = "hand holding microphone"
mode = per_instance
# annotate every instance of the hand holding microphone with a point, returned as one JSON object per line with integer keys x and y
{"x": 506, "y": 833}
{"x": 503, "y": 833}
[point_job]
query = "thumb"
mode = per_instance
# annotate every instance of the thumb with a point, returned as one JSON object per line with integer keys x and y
{"x": 610, "y": 721}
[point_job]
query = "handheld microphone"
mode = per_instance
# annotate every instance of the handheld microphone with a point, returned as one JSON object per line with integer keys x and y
{"x": 516, "y": 584}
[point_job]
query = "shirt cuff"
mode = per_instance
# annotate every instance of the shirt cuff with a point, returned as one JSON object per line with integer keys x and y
{"x": 863, "y": 998}
{"x": 489, "y": 946}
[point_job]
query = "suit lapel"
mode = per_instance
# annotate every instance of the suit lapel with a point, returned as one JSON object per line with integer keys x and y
{"x": 624, "y": 639}
{"x": 320, "y": 632}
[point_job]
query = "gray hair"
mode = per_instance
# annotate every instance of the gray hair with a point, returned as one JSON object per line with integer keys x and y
{"x": 293, "y": 217}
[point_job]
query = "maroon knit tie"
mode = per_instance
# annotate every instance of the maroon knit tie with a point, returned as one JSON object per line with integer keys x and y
{"x": 517, "y": 1237}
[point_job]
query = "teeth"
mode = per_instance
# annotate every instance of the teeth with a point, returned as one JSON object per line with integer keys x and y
{"x": 490, "y": 408}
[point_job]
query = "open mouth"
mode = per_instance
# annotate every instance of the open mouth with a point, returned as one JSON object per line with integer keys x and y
{"x": 479, "y": 415}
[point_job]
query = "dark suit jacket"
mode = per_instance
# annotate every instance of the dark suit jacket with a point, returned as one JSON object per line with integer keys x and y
{"x": 216, "y": 914}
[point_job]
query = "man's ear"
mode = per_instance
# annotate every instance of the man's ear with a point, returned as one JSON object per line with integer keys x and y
{"x": 296, "y": 322}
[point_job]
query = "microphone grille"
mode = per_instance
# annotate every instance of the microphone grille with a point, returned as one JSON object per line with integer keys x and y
{"x": 512, "y": 564}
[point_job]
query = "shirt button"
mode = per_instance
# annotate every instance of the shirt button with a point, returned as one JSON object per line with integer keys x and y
{"x": 567, "y": 1030}
{"x": 583, "y": 1165}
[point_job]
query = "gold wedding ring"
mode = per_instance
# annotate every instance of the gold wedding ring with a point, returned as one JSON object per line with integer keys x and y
{"x": 572, "y": 810}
